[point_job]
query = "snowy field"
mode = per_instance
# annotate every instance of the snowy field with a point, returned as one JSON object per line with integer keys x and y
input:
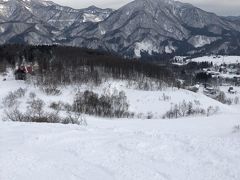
{"x": 218, "y": 60}
{"x": 193, "y": 148}
{"x": 199, "y": 148}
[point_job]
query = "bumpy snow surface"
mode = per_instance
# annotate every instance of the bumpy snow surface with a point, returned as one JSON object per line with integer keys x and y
{"x": 184, "y": 149}
{"x": 197, "y": 148}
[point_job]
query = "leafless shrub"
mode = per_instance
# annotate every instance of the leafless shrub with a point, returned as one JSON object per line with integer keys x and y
{"x": 74, "y": 118}
{"x": 51, "y": 89}
{"x": 57, "y": 106}
{"x": 35, "y": 113}
{"x": 185, "y": 109}
{"x": 236, "y": 100}
{"x": 20, "y": 92}
{"x": 149, "y": 115}
{"x": 221, "y": 97}
{"x": 212, "y": 110}
{"x": 32, "y": 95}
{"x": 53, "y": 118}
{"x": 10, "y": 100}
{"x": 197, "y": 102}
{"x": 147, "y": 84}
{"x": 14, "y": 115}
{"x": 106, "y": 105}
{"x": 140, "y": 116}
{"x": 35, "y": 109}
{"x": 165, "y": 97}
{"x": 236, "y": 129}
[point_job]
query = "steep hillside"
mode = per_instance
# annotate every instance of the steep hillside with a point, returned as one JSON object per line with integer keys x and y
{"x": 163, "y": 26}
{"x": 42, "y": 22}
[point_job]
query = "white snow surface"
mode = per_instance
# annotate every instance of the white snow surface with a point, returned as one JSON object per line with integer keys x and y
{"x": 200, "y": 41}
{"x": 201, "y": 148}
{"x": 2, "y": 29}
{"x": 169, "y": 49}
{"x": 193, "y": 148}
{"x": 91, "y": 18}
{"x": 144, "y": 46}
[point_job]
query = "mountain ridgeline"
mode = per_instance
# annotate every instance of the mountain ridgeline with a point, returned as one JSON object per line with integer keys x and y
{"x": 141, "y": 28}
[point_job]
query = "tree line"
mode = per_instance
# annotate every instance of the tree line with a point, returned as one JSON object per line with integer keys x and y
{"x": 66, "y": 65}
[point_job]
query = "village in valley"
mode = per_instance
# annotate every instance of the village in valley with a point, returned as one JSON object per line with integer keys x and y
{"x": 221, "y": 74}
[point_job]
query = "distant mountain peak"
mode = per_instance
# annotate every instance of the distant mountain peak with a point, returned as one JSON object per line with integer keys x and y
{"x": 141, "y": 26}
{"x": 158, "y": 1}
{"x": 93, "y": 7}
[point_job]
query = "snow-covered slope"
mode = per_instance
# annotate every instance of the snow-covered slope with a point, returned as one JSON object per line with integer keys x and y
{"x": 131, "y": 149}
{"x": 141, "y": 103}
{"x": 200, "y": 41}
{"x": 125, "y": 150}
{"x": 218, "y": 60}
{"x": 195, "y": 148}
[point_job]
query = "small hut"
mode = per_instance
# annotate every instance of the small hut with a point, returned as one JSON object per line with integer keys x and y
{"x": 20, "y": 73}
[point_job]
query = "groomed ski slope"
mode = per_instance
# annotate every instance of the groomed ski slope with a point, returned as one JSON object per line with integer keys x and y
{"x": 193, "y": 148}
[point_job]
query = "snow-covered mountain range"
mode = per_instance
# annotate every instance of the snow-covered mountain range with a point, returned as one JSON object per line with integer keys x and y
{"x": 150, "y": 26}
{"x": 43, "y": 22}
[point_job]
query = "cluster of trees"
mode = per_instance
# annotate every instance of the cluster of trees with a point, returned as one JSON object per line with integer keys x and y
{"x": 189, "y": 72}
{"x": 106, "y": 105}
{"x": 147, "y": 84}
{"x": 61, "y": 65}
{"x": 221, "y": 97}
{"x": 186, "y": 109}
{"x": 35, "y": 110}
{"x": 74, "y": 65}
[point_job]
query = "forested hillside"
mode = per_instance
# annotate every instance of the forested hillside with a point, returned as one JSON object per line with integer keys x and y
{"x": 66, "y": 65}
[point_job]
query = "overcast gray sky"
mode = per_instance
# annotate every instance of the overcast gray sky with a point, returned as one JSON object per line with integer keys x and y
{"x": 220, "y": 7}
